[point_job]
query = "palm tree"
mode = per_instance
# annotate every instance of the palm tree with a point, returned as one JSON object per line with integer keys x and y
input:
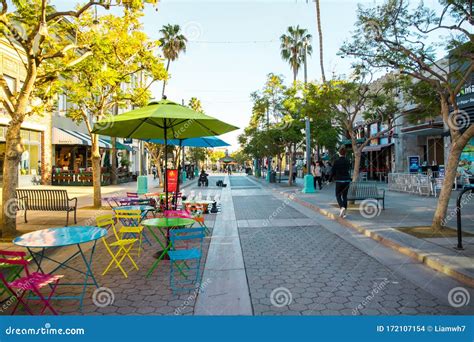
{"x": 320, "y": 35}
{"x": 172, "y": 43}
{"x": 292, "y": 44}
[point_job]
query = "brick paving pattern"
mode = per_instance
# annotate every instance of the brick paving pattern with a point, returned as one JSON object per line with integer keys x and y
{"x": 326, "y": 275}
{"x": 135, "y": 295}
{"x": 263, "y": 207}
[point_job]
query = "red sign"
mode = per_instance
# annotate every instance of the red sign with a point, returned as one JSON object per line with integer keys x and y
{"x": 172, "y": 180}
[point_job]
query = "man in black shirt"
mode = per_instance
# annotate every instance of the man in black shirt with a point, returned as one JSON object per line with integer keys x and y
{"x": 342, "y": 176}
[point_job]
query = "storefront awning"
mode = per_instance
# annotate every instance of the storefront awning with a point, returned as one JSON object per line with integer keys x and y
{"x": 376, "y": 147}
{"x": 119, "y": 145}
{"x": 425, "y": 129}
{"x": 63, "y": 136}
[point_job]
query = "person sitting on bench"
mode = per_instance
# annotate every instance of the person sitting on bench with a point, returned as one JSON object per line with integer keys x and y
{"x": 203, "y": 181}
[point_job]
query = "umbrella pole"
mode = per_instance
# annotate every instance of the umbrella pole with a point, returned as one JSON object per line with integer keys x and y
{"x": 166, "y": 168}
{"x": 179, "y": 174}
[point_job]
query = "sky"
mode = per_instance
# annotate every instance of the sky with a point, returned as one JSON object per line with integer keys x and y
{"x": 234, "y": 44}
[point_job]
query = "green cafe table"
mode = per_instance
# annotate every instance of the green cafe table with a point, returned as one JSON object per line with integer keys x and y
{"x": 39, "y": 241}
{"x": 163, "y": 226}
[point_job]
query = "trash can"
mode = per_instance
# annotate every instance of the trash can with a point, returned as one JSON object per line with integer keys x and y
{"x": 142, "y": 185}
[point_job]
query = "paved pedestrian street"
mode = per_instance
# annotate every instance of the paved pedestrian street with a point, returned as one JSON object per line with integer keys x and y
{"x": 308, "y": 270}
{"x": 268, "y": 255}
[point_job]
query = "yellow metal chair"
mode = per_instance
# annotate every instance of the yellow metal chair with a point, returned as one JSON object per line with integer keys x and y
{"x": 122, "y": 246}
{"x": 130, "y": 220}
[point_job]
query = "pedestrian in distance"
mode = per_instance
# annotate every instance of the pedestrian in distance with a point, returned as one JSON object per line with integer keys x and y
{"x": 318, "y": 174}
{"x": 293, "y": 168}
{"x": 154, "y": 171}
{"x": 342, "y": 177}
{"x": 328, "y": 172}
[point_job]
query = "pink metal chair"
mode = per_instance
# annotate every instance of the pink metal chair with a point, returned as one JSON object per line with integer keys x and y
{"x": 30, "y": 283}
{"x": 132, "y": 195}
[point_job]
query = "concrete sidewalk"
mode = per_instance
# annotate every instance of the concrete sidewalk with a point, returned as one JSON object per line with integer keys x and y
{"x": 401, "y": 210}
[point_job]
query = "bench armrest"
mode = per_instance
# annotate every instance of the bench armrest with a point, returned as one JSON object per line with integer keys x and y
{"x": 382, "y": 191}
{"x": 73, "y": 199}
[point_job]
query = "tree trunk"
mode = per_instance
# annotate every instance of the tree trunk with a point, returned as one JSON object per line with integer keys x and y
{"x": 113, "y": 162}
{"x": 164, "y": 81}
{"x": 159, "y": 165}
{"x": 357, "y": 158}
{"x": 96, "y": 171}
{"x": 445, "y": 194}
{"x": 13, "y": 151}
{"x": 290, "y": 175}
{"x": 320, "y": 34}
{"x": 458, "y": 142}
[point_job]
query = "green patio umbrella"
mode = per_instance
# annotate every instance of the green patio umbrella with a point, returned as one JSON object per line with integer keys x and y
{"x": 162, "y": 120}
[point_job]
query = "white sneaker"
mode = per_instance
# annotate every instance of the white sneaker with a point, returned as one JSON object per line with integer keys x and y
{"x": 342, "y": 212}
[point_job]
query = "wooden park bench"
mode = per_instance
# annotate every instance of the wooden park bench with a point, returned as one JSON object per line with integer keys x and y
{"x": 359, "y": 191}
{"x": 46, "y": 200}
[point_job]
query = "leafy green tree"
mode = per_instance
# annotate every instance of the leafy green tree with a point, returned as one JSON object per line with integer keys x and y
{"x": 241, "y": 157}
{"x": 44, "y": 41}
{"x": 173, "y": 42}
{"x": 156, "y": 154}
{"x": 215, "y": 155}
{"x": 398, "y": 36}
{"x": 120, "y": 75}
{"x": 293, "y": 43}
{"x": 361, "y": 100}
{"x": 197, "y": 155}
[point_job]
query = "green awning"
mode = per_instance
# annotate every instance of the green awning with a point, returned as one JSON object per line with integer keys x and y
{"x": 349, "y": 142}
{"x": 119, "y": 145}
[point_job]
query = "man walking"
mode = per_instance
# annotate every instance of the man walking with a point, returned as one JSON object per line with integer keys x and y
{"x": 341, "y": 175}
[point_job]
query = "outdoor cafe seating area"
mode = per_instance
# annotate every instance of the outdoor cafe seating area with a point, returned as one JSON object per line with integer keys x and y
{"x": 142, "y": 239}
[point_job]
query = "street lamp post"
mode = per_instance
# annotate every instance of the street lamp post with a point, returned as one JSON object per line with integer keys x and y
{"x": 269, "y": 158}
{"x": 308, "y": 187}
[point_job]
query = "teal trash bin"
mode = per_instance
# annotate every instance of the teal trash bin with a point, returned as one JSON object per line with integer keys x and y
{"x": 196, "y": 172}
{"x": 142, "y": 185}
{"x": 183, "y": 176}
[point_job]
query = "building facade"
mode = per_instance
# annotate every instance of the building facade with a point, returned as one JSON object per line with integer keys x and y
{"x": 54, "y": 145}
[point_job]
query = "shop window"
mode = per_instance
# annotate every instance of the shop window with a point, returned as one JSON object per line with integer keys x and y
{"x": 62, "y": 103}
{"x": 11, "y": 82}
{"x": 25, "y": 135}
{"x": 35, "y": 136}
